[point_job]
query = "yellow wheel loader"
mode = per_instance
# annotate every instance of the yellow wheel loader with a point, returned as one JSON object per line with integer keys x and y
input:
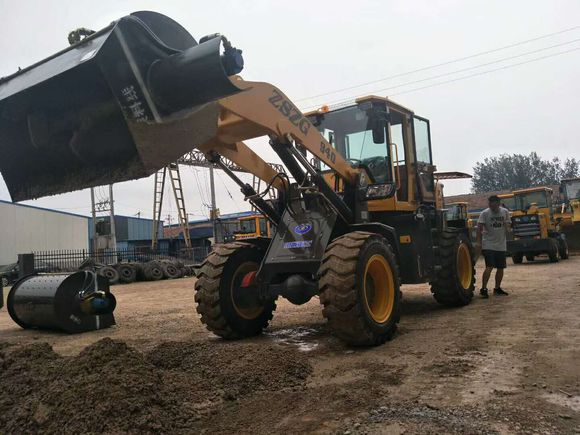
{"x": 356, "y": 218}
{"x": 568, "y": 213}
{"x": 534, "y": 229}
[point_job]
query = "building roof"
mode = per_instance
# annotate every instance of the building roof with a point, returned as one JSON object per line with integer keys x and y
{"x": 16, "y": 204}
{"x": 223, "y": 217}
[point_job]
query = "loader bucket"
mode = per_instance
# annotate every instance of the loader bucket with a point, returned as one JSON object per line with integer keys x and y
{"x": 119, "y": 105}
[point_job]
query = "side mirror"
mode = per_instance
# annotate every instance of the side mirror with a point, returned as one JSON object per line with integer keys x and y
{"x": 378, "y": 132}
{"x": 378, "y": 124}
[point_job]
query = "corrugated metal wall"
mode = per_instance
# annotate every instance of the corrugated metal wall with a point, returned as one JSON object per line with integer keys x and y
{"x": 25, "y": 229}
{"x": 131, "y": 228}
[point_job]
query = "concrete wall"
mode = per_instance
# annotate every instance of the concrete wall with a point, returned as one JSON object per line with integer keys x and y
{"x": 26, "y": 229}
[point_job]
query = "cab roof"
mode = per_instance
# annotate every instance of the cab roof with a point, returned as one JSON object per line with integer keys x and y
{"x": 533, "y": 189}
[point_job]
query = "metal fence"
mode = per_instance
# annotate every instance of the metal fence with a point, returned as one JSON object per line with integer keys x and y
{"x": 70, "y": 259}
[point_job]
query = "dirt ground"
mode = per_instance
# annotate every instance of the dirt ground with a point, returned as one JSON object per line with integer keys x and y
{"x": 503, "y": 365}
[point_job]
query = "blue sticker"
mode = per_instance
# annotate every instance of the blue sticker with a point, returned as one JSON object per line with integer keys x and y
{"x": 302, "y": 228}
{"x": 298, "y": 244}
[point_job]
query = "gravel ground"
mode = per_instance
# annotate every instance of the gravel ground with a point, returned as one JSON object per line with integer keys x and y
{"x": 503, "y": 365}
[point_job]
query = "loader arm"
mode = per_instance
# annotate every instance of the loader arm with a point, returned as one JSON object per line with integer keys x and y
{"x": 263, "y": 110}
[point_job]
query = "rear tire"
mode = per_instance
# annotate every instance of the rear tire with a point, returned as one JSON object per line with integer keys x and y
{"x": 563, "y": 248}
{"x": 359, "y": 288}
{"x": 455, "y": 282}
{"x": 553, "y": 254}
{"x": 218, "y": 281}
{"x": 518, "y": 258}
{"x": 530, "y": 258}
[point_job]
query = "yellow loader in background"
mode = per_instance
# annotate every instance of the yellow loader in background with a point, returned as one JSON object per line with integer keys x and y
{"x": 535, "y": 231}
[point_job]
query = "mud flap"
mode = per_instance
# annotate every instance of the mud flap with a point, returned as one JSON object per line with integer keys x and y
{"x": 116, "y": 106}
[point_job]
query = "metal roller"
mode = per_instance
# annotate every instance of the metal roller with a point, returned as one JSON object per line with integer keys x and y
{"x": 73, "y": 303}
{"x": 116, "y": 106}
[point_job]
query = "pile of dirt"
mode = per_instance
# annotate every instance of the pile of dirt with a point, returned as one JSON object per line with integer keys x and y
{"x": 111, "y": 387}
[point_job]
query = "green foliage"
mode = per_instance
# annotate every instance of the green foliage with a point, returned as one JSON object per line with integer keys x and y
{"x": 517, "y": 171}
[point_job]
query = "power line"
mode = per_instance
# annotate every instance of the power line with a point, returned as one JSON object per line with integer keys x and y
{"x": 460, "y": 59}
{"x": 342, "y": 100}
{"x": 488, "y": 71}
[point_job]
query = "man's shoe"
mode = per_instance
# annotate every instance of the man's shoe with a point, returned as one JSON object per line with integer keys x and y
{"x": 483, "y": 293}
{"x": 500, "y": 292}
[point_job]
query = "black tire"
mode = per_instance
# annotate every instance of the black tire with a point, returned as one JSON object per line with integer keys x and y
{"x": 518, "y": 258}
{"x": 127, "y": 273}
{"x": 553, "y": 254}
{"x": 218, "y": 279}
{"x": 152, "y": 271}
{"x": 344, "y": 293}
{"x": 455, "y": 281}
{"x": 110, "y": 273}
{"x": 530, "y": 257}
{"x": 563, "y": 248}
{"x": 170, "y": 270}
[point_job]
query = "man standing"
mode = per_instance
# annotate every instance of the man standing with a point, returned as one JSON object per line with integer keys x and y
{"x": 492, "y": 227}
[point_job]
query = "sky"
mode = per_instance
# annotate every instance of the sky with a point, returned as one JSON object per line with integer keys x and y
{"x": 309, "y": 48}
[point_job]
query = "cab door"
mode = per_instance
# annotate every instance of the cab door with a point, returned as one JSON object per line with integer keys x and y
{"x": 424, "y": 167}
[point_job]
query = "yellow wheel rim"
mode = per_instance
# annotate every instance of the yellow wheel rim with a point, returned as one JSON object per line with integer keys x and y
{"x": 245, "y": 311}
{"x": 464, "y": 266}
{"x": 379, "y": 288}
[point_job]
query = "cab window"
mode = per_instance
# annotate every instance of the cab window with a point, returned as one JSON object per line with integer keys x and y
{"x": 263, "y": 227}
{"x": 422, "y": 140}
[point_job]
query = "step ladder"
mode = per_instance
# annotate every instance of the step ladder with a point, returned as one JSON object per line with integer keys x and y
{"x": 176, "y": 184}
{"x": 157, "y": 205}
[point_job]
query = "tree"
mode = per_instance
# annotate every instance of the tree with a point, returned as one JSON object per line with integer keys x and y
{"x": 518, "y": 171}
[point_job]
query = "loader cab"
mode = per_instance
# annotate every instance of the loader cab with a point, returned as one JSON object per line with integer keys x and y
{"x": 533, "y": 213}
{"x": 570, "y": 209}
{"x": 539, "y": 198}
{"x": 507, "y": 201}
{"x": 570, "y": 189}
{"x": 387, "y": 140}
{"x": 253, "y": 226}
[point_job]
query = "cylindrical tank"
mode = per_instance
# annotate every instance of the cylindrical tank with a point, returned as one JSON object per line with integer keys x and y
{"x": 76, "y": 302}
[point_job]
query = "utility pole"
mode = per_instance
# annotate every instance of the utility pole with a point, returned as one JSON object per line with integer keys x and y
{"x": 94, "y": 215}
{"x": 113, "y": 245}
{"x": 213, "y": 212}
{"x": 103, "y": 206}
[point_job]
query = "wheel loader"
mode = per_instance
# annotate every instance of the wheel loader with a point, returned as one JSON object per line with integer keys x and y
{"x": 568, "y": 213}
{"x": 534, "y": 229}
{"x": 355, "y": 219}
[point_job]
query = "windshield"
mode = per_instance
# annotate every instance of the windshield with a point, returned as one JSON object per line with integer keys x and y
{"x": 508, "y": 202}
{"x": 349, "y": 131}
{"x": 454, "y": 212}
{"x": 572, "y": 189}
{"x": 248, "y": 226}
{"x": 525, "y": 200}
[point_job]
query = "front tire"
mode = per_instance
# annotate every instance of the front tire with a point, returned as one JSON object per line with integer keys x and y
{"x": 518, "y": 258}
{"x": 455, "y": 281}
{"x": 554, "y": 252}
{"x": 359, "y": 288}
{"x": 563, "y": 248}
{"x": 217, "y": 292}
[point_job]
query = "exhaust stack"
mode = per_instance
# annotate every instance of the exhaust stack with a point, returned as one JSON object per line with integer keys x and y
{"x": 119, "y": 105}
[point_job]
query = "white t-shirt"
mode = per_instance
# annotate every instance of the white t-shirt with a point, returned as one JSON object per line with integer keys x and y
{"x": 494, "y": 229}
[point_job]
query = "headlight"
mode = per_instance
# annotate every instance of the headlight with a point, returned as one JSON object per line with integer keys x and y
{"x": 380, "y": 191}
